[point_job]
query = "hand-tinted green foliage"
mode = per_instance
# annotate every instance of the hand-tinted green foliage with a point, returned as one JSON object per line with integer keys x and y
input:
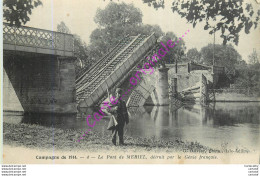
{"x": 228, "y": 17}
{"x": 16, "y": 12}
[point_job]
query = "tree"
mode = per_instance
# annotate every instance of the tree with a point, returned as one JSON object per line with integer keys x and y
{"x": 228, "y": 17}
{"x": 114, "y": 23}
{"x": 253, "y": 58}
{"x": 16, "y": 12}
{"x": 248, "y": 77}
{"x": 194, "y": 55}
{"x": 81, "y": 52}
{"x": 225, "y": 55}
{"x": 80, "y": 48}
{"x": 118, "y": 20}
{"x": 156, "y": 3}
{"x": 102, "y": 40}
{"x": 175, "y": 53}
{"x": 63, "y": 28}
{"x": 118, "y": 14}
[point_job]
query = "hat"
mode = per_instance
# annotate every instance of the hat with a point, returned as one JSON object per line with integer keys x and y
{"x": 119, "y": 90}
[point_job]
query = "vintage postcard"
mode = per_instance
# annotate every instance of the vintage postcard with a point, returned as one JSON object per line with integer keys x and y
{"x": 131, "y": 82}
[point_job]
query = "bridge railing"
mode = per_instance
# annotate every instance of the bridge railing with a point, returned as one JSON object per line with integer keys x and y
{"x": 32, "y": 38}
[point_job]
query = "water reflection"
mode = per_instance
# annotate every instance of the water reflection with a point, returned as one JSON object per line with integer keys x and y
{"x": 54, "y": 120}
{"x": 234, "y": 123}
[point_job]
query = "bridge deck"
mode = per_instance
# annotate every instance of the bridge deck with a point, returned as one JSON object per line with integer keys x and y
{"x": 92, "y": 85}
{"x": 36, "y": 40}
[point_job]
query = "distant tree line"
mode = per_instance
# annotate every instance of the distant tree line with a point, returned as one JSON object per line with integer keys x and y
{"x": 247, "y": 75}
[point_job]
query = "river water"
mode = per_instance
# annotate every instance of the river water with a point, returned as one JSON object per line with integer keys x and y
{"x": 235, "y": 125}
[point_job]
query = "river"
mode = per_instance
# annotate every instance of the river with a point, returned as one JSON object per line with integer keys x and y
{"x": 235, "y": 125}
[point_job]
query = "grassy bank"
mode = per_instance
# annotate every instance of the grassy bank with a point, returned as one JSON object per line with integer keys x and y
{"x": 40, "y": 137}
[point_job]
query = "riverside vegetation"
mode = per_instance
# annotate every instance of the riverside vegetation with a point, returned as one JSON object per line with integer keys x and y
{"x": 40, "y": 137}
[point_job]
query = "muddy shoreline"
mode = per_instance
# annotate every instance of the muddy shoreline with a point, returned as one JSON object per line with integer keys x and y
{"x": 40, "y": 137}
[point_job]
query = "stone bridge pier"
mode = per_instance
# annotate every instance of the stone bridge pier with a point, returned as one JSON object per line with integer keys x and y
{"x": 38, "y": 83}
{"x": 39, "y": 72}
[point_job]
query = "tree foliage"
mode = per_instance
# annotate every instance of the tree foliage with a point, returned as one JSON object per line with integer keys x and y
{"x": 16, "y": 12}
{"x": 225, "y": 55}
{"x": 253, "y": 57}
{"x": 102, "y": 40}
{"x": 118, "y": 20}
{"x": 155, "y": 3}
{"x": 118, "y": 14}
{"x": 80, "y": 48}
{"x": 194, "y": 55}
{"x": 63, "y": 28}
{"x": 115, "y": 22}
{"x": 228, "y": 17}
{"x": 248, "y": 77}
{"x": 175, "y": 53}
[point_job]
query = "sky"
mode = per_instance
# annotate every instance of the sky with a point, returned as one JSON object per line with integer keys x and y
{"x": 78, "y": 15}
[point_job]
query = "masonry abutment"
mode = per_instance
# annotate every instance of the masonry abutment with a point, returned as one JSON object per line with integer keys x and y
{"x": 39, "y": 83}
{"x": 162, "y": 88}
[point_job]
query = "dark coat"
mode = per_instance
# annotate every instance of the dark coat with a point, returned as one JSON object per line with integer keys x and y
{"x": 120, "y": 112}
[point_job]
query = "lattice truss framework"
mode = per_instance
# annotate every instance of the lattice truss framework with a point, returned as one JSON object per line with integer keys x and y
{"x": 27, "y": 36}
{"x": 137, "y": 97}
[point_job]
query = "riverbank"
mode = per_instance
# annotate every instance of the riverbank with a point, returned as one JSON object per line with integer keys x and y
{"x": 40, "y": 137}
{"x": 235, "y": 97}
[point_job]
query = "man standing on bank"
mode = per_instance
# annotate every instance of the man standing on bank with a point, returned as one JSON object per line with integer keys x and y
{"x": 121, "y": 116}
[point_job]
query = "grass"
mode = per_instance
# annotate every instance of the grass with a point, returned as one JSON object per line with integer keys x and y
{"x": 40, "y": 137}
